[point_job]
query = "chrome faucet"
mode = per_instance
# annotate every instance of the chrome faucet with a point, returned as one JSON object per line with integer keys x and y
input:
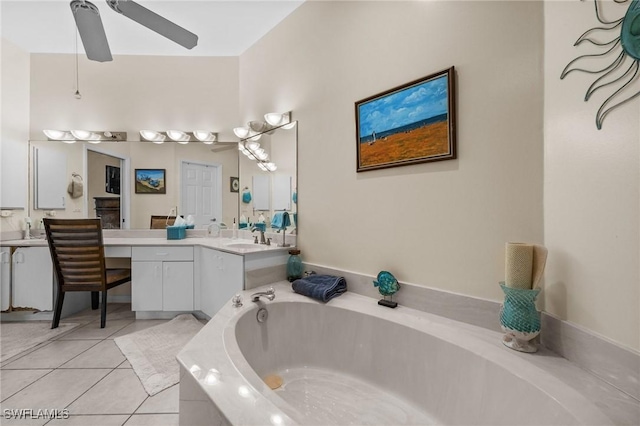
{"x": 269, "y": 294}
{"x": 262, "y": 240}
{"x": 284, "y": 230}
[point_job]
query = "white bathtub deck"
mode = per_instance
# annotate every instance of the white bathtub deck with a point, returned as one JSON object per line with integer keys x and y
{"x": 330, "y": 397}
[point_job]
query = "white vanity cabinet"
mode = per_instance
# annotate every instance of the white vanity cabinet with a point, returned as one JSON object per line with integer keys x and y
{"x": 27, "y": 278}
{"x": 5, "y": 277}
{"x": 162, "y": 278}
{"x": 221, "y": 277}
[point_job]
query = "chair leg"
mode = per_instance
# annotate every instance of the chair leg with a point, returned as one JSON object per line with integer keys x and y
{"x": 95, "y": 299}
{"x": 103, "y": 313}
{"x": 58, "y": 310}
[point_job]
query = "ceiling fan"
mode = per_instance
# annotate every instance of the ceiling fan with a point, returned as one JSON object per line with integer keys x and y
{"x": 92, "y": 33}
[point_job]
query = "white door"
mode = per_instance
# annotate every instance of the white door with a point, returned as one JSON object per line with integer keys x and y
{"x": 202, "y": 193}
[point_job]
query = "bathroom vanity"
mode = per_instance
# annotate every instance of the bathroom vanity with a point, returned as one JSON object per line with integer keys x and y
{"x": 195, "y": 274}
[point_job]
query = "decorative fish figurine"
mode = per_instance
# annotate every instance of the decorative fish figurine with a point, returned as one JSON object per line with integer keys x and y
{"x": 387, "y": 284}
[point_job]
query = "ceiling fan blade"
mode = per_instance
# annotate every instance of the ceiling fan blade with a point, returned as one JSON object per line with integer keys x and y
{"x": 91, "y": 31}
{"x": 154, "y": 22}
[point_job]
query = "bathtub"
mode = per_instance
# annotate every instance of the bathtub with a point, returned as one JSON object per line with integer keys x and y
{"x": 351, "y": 361}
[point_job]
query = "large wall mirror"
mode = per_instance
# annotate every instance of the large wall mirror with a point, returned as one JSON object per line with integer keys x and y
{"x": 265, "y": 193}
{"x": 194, "y": 180}
{"x": 107, "y": 173}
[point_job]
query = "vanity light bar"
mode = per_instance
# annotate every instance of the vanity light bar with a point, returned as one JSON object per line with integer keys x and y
{"x": 92, "y": 136}
{"x": 254, "y": 129}
{"x": 253, "y": 151}
{"x": 204, "y": 136}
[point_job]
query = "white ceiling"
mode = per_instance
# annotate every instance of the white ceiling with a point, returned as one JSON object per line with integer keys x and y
{"x": 224, "y": 28}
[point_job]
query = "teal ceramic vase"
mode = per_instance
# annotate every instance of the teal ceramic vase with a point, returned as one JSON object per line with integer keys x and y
{"x": 294, "y": 265}
{"x": 519, "y": 318}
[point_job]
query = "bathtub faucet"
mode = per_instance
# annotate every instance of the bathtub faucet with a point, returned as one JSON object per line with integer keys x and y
{"x": 269, "y": 294}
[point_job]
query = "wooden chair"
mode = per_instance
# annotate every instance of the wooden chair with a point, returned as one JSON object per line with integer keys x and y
{"x": 161, "y": 222}
{"x": 77, "y": 252}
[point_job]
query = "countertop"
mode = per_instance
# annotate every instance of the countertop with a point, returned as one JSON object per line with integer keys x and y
{"x": 220, "y": 243}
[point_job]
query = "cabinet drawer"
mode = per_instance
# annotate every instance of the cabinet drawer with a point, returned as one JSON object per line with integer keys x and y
{"x": 117, "y": 251}
{"x": 162, "y": 253}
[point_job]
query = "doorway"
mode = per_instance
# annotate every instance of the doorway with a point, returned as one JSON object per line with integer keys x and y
{"x": 107, "y": 184}
{"x": 201, "y": 193}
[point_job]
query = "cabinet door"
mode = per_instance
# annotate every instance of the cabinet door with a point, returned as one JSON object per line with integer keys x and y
{"x": 32, "y": 278}
{"x": 146, "y": 286}
{"x": 210, "y": 276}
{"x": 222, "y": 276}
{"x": 5, "y": 277}
{"x": 177, "y": 286}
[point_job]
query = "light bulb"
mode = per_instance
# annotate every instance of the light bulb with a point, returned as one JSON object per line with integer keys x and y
{"x": 152, "y": 136}
{"x": 241, "y": 132}
{"x": 252, "y": 145}
{"x": 58, "y": 135}
{"x": 205, "y": 136}
{"x": 178, "y": 136}
{"x": 85, "y": 135}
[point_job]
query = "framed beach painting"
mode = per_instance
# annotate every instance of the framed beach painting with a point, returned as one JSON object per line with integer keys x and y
{"x": 409, "y": 124}
{"x": 150, "y": 181}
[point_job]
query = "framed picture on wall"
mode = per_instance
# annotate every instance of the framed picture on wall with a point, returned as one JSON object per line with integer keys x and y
{"x": 409, "y": 124}
{"x": 150, "y": 181}
{"x": 234, "y": 184}
{"x": 112, "y": 180}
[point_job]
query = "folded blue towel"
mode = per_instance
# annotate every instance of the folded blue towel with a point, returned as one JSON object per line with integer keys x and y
{"x": 280, "y": 220}
{"x": 321, "y": 287}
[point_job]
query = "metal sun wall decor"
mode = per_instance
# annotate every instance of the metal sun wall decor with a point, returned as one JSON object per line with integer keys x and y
{"x": 627, "y": 44}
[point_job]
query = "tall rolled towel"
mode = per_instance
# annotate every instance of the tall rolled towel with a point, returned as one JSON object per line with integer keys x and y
{"x": 539, "y": 261}
{"x": 518, "y": 265}
{"x": 320, "y": 287}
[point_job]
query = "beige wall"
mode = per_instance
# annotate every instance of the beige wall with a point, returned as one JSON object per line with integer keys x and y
{"x": 592, "y": 186}
{"x": 441, "y": 225}
{"x": 14, "y": 128}
{"x": 144, "y": 92}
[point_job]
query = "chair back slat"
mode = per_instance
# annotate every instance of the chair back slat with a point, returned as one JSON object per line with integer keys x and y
{"x": 77, "y": 252}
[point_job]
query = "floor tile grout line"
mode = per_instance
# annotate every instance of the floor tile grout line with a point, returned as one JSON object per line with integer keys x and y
{"x": 90, "y": 387}
{"x": 44, "y": 368}
{"x": 26, "y": 386}
{"x": 69, "y": 360}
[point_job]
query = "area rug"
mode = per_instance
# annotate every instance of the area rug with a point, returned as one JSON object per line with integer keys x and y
{"x": 17, "y": 337}
{"x": 152, "y": 351}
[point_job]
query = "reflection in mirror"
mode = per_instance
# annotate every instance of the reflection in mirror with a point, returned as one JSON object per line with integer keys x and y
{"x": 271, "y": 191}
{"x": 97, "y": 167}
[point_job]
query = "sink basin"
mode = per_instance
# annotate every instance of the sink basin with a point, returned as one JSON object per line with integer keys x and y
{"x": 243, "y": 245}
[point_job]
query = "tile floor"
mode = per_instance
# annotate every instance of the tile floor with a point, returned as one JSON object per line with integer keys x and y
{"x": 84, "y": 372}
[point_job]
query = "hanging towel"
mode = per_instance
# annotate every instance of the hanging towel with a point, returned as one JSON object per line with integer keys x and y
{"x": 75, "y": 188}
{"x": 246, "y": 195}
{"x": 280, "y": 220}
{"x": 320, "y": 287}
